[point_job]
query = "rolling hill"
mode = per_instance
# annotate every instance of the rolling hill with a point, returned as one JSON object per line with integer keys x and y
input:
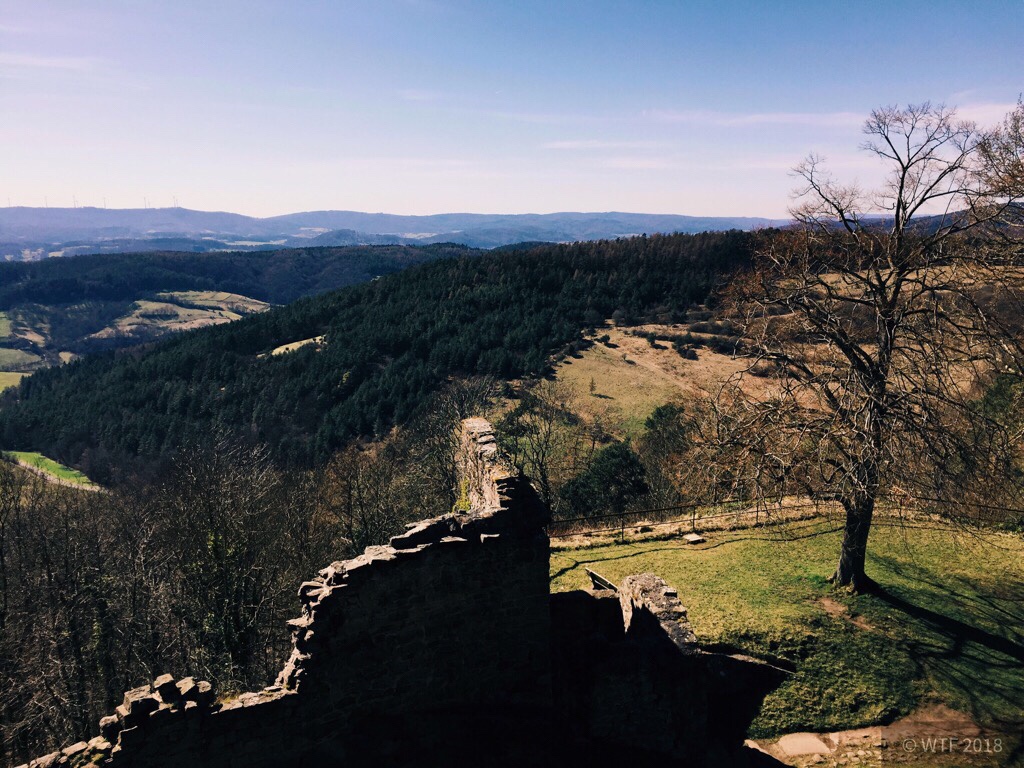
{"x": 387, "y": 345}
{"x": 56, "y": 310}
{"x": 37, "y": 233}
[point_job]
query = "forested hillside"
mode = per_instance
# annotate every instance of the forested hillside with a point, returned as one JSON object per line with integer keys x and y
{"x": 277, "y": 277}
{"x": 53, "y": 310}
{"x": 386, "y": 346}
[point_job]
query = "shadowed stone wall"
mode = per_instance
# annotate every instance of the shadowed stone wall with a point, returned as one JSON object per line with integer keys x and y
{"x": 445, "y": 648}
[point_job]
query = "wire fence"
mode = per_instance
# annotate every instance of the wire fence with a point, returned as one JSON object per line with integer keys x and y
{"x": 748, "y": 513}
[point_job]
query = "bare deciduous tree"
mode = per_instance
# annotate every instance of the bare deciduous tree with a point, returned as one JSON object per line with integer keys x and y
{"x": 364, "y": 491}
{"x": 880, "y": 328}
{"x": 545, "y": 438}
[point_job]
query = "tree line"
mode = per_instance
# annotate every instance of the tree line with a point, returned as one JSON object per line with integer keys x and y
{"x": 193, "y": 572}
{"x": 390, "y": 344}
{"x": 69, "y": 299}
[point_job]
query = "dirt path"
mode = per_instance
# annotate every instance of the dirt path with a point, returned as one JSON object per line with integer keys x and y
{"x": 934, "y": 735}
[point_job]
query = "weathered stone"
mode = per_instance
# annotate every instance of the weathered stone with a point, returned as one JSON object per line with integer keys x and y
{"x": 110, "y": 726}
{"x": 100, "y": 744}
{"x": 160, "y": 714}
{"x": 300, "y": 623}
{"x": 435, "y": 631}
{"x": 651, "y": 593}
{"x": 200, "y": 692}
{"x": 75, "y": 749}
{"x": 130, "y": 737}
{"x": 138, "y": 704}
{"x": 136, "y": 696}
{"x": 310, "y": 590}
{"x": 167, "y": 689}
{"x": 797, "y": 744}
{"x": 204, "y": 694}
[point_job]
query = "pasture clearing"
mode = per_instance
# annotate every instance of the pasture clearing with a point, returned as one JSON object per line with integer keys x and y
{"x": 51, "y": 468}
{"x": 947, "y": 627}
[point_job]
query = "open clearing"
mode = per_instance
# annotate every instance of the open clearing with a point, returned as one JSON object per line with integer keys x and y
{"x": 633, "y": 378}
{"x": 9, "y": 379}
{"x": 217, "y": 300}
{"x": 316, "y": 340}
{"x": 51, "y": 468}
{"x": 947, "y": 627}
{"x": 17, "y": 358}
{"x": 5, "y": 326}
{"x": 181, "y": 311}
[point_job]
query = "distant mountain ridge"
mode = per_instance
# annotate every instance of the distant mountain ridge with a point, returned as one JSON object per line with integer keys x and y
{"x": 34, "y": 233}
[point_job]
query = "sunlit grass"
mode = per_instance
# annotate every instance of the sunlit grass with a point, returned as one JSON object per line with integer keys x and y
{"x": 948, "y": 626}
{"x": 8, "y": 379}
{"x": 51, "y": 467}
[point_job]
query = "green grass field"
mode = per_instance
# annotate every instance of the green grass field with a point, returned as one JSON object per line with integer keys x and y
{"x": 5, "y": 326}
{"x": 8, "y": 379}
{"x": 948, "y": 625}
{"x": 15, "y": 358}
{"x": 51, "y": 467}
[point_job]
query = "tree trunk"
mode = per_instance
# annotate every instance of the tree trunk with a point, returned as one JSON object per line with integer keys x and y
{"x": 850, "y": 571}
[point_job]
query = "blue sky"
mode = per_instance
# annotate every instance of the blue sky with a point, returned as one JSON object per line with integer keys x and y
{"x": 425, "y": 106}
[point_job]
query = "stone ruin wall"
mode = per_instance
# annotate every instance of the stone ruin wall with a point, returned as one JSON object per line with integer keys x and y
{"x": 452, "y": 614}
{"x": 446, "y": 644}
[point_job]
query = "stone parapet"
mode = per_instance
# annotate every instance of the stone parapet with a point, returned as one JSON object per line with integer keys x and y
{"x": 444, "y": 647}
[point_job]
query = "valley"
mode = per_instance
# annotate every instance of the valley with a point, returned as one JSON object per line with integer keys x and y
{"x": 390, "y": 345}
{"x": 433, "y": 383}
{"x": 52, "y": 312}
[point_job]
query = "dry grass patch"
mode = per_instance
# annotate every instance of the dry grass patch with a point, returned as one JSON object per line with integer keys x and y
{"x": 181, "y": 311}
{"x": 10, "y": 379}
{"x": 632, "y": 378}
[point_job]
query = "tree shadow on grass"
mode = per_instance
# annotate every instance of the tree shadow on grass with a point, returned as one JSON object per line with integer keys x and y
{"x": 955, "y": 629}
{"x": 964, "y": 638}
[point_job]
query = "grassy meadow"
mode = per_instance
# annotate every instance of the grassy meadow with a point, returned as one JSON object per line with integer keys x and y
{"x": 9, "y": 379}
{"x": 16, "y": 358}
{"x": 631, "y": 377}
{"x": 180, "y": 311}
{"x": 52, "y": 468}
{"x": 948, "y": 625}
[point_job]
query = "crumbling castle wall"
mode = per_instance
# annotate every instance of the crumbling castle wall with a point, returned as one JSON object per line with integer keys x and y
{"x": 444, "y": 647}
{"x": 629, "y": 671}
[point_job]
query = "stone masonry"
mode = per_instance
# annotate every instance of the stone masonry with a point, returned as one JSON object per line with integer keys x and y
{"x": 445, "y": 648}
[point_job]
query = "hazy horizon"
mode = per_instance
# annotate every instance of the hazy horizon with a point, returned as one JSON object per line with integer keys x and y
{"x": 389, "y": 213}
{"x": 417, "y": 107}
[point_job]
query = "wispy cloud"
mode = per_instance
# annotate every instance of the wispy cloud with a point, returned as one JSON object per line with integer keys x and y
{"x": 539, "y": 118}
{"x": 15, "y": 62}
{"x": 598, "y": 144}
{"x": 633, "y": 163}
{"x": 985, "y": 114}
{"x": 728, "y": 119}
{"x": 417, "y": 94}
